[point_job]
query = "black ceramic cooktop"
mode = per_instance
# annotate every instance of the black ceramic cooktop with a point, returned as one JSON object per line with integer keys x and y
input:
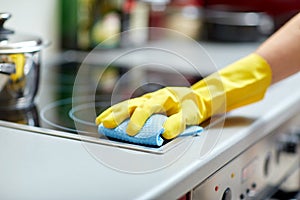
{"x": 69, "y": 98}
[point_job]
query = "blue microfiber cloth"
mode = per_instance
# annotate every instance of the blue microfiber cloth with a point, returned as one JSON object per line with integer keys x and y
{"x": 149, "y": 135}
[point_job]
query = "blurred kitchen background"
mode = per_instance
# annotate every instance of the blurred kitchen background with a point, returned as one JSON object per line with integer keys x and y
{"x": 82, "y": 24}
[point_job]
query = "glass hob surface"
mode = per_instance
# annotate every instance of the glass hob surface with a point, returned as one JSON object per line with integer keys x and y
{"x": 71, "y": 94}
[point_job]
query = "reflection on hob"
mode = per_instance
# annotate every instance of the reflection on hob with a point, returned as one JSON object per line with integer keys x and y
{"x": 76, "y": 117}
{"x": 27, "y": 116}
{"x": 61, "y": 110}
{"x": 97, "y": 88}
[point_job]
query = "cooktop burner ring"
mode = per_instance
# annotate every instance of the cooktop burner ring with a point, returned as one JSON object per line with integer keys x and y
{"x": 73, "y": 117}
{"x": 80, "y": 107}
{"x": 51, "y": 106}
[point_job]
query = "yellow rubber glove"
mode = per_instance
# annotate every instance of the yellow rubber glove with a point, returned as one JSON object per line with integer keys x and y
{"x": 238, "y": 84}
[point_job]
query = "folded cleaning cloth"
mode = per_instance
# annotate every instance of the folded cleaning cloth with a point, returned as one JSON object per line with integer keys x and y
{"x": 150, "y": 134}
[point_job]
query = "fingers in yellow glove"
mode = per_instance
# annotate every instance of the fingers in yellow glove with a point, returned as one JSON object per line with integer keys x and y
{"x": 188, "y": 114}
{"x": 160, "y": 101}
{"x": 117, "y": 113}
{"x": 180, "y": 104}
{"x": 174, "y": 125}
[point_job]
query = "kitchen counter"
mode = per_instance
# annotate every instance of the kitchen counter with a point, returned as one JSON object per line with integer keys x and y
{"x": 40, "y": 164}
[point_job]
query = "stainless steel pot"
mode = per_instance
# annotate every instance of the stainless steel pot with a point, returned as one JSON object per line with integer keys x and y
{"x": 19, "y": 67}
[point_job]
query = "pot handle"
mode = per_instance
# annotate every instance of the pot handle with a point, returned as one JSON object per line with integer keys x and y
{"x": 7, "y": 68}
{"x": 3, "y": 18}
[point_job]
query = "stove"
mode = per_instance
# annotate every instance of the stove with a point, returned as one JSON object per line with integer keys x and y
{"x": 268, "y": 169}
{"x": 71, "y": 94}
{"x": 255, "y": 151}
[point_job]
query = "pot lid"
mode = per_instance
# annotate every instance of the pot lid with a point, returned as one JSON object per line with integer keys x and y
{"x": 11, "y": 42}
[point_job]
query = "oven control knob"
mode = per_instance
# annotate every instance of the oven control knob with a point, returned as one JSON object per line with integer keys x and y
{"x": 227, "y": 194}
{"x": 289, "y": 144}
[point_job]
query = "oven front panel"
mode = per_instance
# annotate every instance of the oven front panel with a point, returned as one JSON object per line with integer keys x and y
{"x": 258, "y": 172}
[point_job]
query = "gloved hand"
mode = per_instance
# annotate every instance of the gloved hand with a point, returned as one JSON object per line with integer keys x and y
{"x": 238, "y": 84}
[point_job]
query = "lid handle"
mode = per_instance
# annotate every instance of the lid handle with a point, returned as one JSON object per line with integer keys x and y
{"x": 3, "y": 18}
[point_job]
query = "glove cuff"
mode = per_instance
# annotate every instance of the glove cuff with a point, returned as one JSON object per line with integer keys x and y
{"x": 246, "y": 81}
{"x": 241, "y": 83}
